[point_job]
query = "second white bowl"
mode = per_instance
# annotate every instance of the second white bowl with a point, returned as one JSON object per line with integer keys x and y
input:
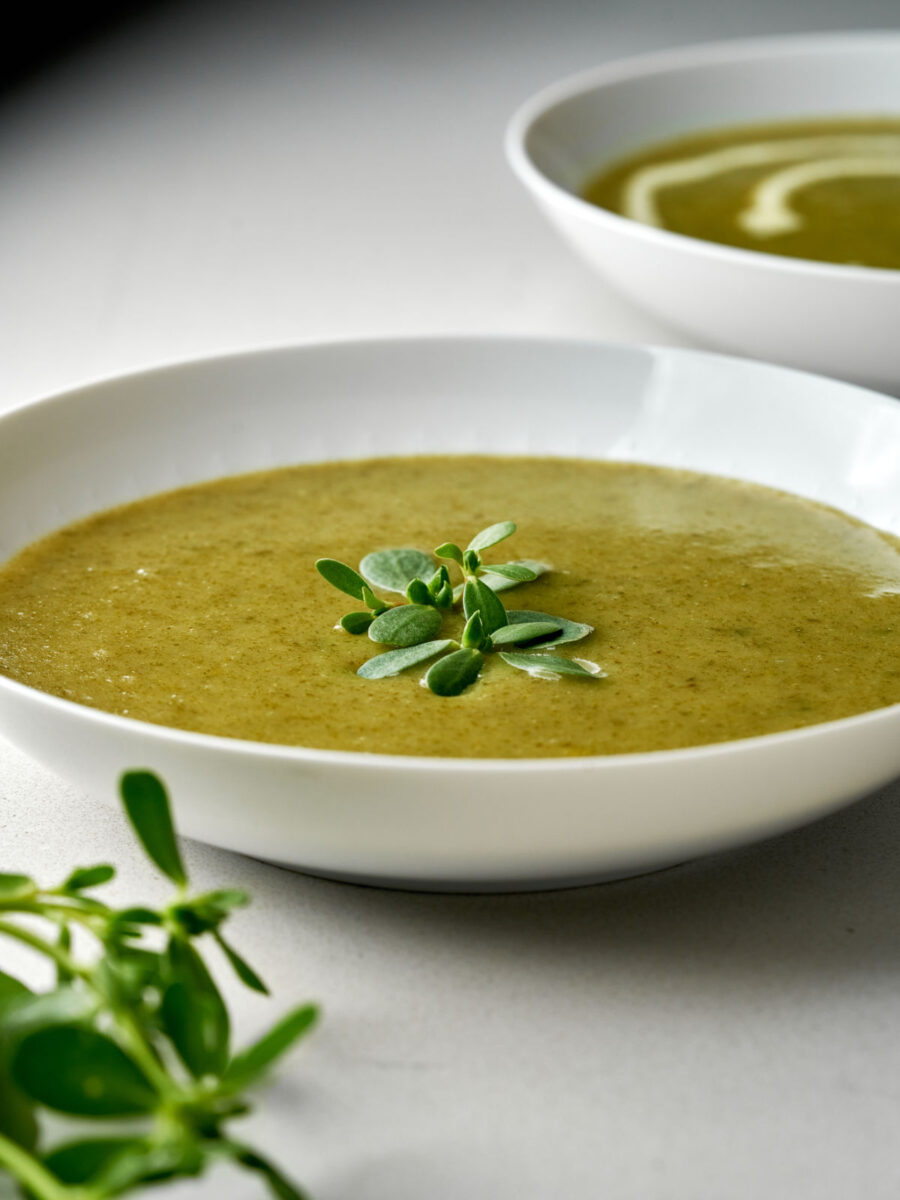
{"x": 839, "y": 320}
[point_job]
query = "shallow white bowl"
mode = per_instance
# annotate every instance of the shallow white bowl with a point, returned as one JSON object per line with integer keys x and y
{"x": 454, "y": 823}
{"x": 840, "y": 320}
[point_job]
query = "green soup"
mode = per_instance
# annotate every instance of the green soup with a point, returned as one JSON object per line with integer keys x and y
{"x": 721, "y": 609}
{"x": 825, "y": 189}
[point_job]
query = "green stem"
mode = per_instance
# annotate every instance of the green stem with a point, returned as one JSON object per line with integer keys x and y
{"x": 74, "y": 904}
{"x": 141, "y": 1052}
{"x": 59, "y": 956}
{"x": 35, "y": 1176}
{"x": 54, "y": 909}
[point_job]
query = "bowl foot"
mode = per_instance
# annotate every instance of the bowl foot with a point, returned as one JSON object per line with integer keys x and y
{"x": 479, "y": 887}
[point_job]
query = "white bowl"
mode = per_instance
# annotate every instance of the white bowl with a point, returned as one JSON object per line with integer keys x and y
{"x": 455, "y": 823}
{"x": 840, "y": 320}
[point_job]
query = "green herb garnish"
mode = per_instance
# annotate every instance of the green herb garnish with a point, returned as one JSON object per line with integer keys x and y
{"x": 136, "y": 1031}
{"x": 415, "y": 628}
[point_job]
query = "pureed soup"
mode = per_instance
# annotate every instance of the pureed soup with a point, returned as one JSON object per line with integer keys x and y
{"x": 721, "y": 609}
{"x": 826, "y": 189}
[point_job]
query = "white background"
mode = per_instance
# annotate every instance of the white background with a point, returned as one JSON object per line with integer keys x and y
{"x": 222, "y": 177}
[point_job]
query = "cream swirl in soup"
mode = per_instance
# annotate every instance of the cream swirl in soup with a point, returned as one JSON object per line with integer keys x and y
{"x": 827, "y": 190}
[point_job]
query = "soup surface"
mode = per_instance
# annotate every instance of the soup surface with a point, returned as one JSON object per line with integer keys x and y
{"x": 824, "y": 189}
{"x": 721, "y": 609}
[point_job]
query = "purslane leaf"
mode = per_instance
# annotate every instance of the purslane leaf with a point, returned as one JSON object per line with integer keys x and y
{"x": 241, "y": 967}
{"x": 88, "y": 877}
{"x": 407, "y": 625}
{"x": 492, "y": 535}
{"x": 418, "y": 592}
{"x": 12, "y": 990}
{"x": 16, "y": 887}
{"x": 147, "y": 806}
{"x": 192, "y": 1024}
{"x": 357, "y": 622}
{"x": 511, "y": 635}
{"x": 137, "y": 916}
{"x": 339, "y": 575}
{"x": 441, "y": 588}
{"x": 500, "y": 583}
{"x": 392, "y": 662}
{"x": 222, "y": 900}
{"x": 451, "y": 551}
{"x": 395, "y": 569}
{"x": 517, "y": 572}
{"x": 149, "y": 1162}
{"x": 81, "y": 1072}
{"x": 81, "y": 1161}
{"x": 193, "y": 1013}
{"x": 548, "y": 666}
{"x": 438, "y": 579}
{"x": 17, "y": 1119}
{"x": 250, "y": 1064}
{"x": 479, "y": 598}
{"x": 451, "y": 675}
{"x": 368, "y": 597}
{"x": 65, "y": 1005}
{"x": 473, "y": 634}
{"x": 569, "y": 631}
{"x": 206, "y": 912}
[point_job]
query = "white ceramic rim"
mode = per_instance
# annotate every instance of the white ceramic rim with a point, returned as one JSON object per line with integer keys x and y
{"x": 698, "y": 55}
{"x": 426, "y": 763}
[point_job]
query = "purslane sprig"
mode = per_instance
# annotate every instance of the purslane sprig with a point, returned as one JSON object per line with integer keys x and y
{"x": 414, "y": 627}
{"x": 137, "y": 1031}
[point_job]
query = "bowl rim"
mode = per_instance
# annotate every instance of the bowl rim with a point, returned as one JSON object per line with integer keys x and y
{"x": 655, "y": 62}
{"x": 368, "y": 760}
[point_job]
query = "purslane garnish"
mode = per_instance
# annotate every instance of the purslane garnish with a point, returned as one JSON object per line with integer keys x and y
{"x": 136, "y": 1031}
{"x": 414, "y": 628}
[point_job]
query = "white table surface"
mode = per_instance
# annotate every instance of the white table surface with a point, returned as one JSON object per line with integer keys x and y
{"x": 221, "y": 177}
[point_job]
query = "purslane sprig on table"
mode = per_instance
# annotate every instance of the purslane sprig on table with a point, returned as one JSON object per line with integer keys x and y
{"x": 136, "y": 1030}
{"x": 413, "y": 628}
